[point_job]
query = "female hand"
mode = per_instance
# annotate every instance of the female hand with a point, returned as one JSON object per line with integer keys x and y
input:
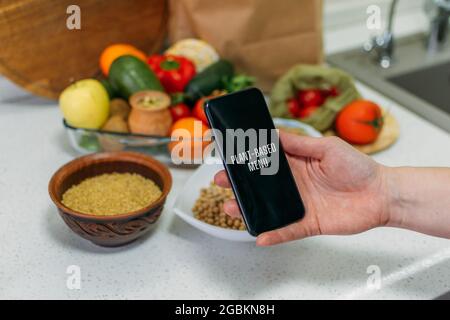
{"x": 343, "y": 190}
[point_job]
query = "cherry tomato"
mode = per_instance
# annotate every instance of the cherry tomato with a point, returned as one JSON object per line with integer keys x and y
{"x": 310, "y": 97}
{"x": 307, "y": 111}
{"x": 179, "y": 111}
{"x": 360, "y": 122}
{"x": 332, "y": 92}
{"x": 199, "y": 110}
{"x": 293, "y": 107}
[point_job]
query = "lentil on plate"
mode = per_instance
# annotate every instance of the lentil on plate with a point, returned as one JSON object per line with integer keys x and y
{"x": 209, "y": 208}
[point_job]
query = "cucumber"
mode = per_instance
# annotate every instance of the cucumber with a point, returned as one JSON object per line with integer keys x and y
{"x": 109, "y": 88}
{"x": 212, "y": 78}
{"x": 129, "y": 74}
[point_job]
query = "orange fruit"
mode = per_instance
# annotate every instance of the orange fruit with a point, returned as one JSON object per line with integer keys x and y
{"x": 114, "y": 51}
{"x": 188, "y": 140}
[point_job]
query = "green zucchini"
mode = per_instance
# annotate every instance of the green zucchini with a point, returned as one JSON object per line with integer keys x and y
{"x": 212, "y": 78}
{"x": 129, "y": 74}
{"x": 109, "y": 88}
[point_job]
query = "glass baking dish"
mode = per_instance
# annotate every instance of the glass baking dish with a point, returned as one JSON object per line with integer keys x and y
{"x": 88, "y": 140}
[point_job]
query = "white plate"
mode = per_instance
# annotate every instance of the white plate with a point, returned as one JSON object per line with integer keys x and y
{"x": 291, "y": 123}
{"x": 191, "y": 190}
{"x": 204, "y": 175}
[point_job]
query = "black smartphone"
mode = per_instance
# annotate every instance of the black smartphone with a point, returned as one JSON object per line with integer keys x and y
{"x": 254, "y": 160}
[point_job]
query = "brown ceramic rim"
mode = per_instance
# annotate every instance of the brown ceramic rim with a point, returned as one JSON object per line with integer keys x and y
{"x": 134, "y": 157}
{"x": 138, "y": 95}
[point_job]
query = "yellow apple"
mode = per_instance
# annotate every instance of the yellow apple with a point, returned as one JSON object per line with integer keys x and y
{"x": 85, "y": 104}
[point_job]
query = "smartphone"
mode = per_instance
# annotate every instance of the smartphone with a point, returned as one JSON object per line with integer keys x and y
{"x": 254, "y": 160}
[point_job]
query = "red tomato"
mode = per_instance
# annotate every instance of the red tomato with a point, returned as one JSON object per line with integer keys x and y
{"x": 293, "y": 107}
{"x": 360, "y": 122}
{"x": 310, "y": 97}
{"x": 199, "y": 110}
{"x": 179, "y": 111}
{"x": 307, "y": 111}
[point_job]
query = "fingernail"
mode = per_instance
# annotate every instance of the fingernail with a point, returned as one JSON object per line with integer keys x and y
{"x": 261, "y": 242}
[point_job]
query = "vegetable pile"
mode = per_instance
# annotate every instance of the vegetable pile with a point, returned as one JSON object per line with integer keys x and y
{"x": 158, "y": 94}
{"x": 150, "y": 95}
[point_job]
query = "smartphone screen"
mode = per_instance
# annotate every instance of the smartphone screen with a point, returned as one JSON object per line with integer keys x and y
{"x": 254, "y": 160}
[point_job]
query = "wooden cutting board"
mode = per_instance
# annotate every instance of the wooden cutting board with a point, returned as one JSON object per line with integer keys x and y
{"x": 41, "y": 54}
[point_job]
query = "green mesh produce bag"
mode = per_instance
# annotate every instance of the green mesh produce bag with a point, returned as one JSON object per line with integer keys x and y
{"x": 313, "y": 77}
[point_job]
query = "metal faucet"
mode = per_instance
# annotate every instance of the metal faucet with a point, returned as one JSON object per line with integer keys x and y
{"x": 439, "y": 26}
{"x": 383, "y": 45}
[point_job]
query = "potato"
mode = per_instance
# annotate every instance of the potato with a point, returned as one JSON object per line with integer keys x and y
{"x": 119, "y": 107}
{"x": 116, "y": 124}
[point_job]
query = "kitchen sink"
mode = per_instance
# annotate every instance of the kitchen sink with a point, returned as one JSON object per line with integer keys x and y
{"x": 437, "y": 90}
{"x": 417, "y": 79}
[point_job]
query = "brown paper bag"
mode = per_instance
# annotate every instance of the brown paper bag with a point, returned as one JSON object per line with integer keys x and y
{"x": 263, "y": 38}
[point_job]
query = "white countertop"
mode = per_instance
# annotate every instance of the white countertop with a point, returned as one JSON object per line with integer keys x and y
{"x": 178, "y": 261}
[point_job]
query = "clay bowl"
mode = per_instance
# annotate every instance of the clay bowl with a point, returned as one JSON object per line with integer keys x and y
{"x": 117, "y": 230}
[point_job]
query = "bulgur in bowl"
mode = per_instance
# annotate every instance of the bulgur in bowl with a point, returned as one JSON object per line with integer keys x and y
{"x": 111, "y": 228}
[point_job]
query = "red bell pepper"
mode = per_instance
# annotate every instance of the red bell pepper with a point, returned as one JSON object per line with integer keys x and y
{"x": 174, "y": 72}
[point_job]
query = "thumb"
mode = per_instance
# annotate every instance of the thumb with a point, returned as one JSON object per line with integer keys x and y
{"x": 295, "y": 231}
{"x": 303, "y": 146}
